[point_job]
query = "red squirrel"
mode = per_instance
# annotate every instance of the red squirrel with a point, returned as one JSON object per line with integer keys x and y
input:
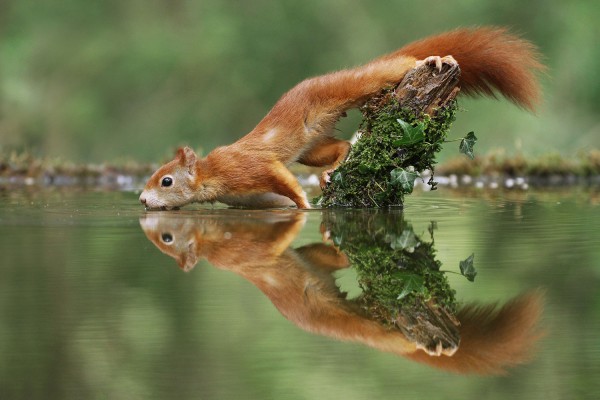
{"x": 300, "y": 127}
{"x": 301, "y": 285}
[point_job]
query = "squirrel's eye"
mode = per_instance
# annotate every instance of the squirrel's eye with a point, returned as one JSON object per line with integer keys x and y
{"x": 167, "y": 237}
{"x": 166, "y": 181}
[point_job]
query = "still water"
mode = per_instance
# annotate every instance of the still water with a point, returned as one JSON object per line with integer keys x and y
{"x": 101, "y": 300}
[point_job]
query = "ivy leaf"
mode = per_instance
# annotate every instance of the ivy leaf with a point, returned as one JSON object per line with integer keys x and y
{"x": 405, "y": 178}
{"x": 467, "y": 143}
{"x": 338, "y": 178}
{"x": 366, "y": 169}
{"x": 382, "y": 196}
{"x": 406, "y": 240}
{"x": 467, "y": 269}
{"x": 411, "y": 135}
{"x": 413, "y": 283}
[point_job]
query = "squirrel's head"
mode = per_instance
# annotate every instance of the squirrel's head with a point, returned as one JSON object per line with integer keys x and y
{"x": 174, "y": 184}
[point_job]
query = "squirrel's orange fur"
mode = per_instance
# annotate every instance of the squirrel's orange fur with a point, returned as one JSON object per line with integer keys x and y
{"x": 253, "y": 170}
{"x": 300, "y": 284}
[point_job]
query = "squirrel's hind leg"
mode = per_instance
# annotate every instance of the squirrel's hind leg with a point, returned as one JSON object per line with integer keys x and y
{"x": 326, "y": 152}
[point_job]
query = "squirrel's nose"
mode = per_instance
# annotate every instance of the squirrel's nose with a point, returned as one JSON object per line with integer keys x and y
{"x": 143, "y": 199}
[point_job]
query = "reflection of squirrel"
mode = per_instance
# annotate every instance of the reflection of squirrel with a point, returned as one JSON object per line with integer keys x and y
{"x": 300, "y": 284}
{"x": 252, "y": 171}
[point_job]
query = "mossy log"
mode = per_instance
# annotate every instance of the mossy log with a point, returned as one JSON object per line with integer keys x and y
{"x": 403, "y": 128}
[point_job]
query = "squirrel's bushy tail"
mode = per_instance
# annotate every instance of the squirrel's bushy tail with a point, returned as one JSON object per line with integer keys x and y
{"x": 492, "y": 339}
{"x": 491, "y": 59}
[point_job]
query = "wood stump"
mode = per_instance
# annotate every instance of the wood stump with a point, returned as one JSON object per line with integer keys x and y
{"x": 380, "y": 164}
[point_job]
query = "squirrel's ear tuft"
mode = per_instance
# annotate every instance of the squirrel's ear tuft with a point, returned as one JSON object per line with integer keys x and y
{"x": 186, "y": 156}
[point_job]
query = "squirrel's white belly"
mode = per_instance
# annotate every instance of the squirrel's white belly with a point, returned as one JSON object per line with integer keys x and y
{"x": 259, "y": 200}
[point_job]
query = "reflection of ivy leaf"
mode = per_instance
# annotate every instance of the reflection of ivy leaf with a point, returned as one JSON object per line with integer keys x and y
{"x": 337, "y": 240}
{"x": 403, "y": 178}
{"x": 413, "y": 283}
{"x": 411, "y": 135}
{"x": 467, "y": 268}
{"x": 406, "y": 240}
{"x": 467, "y": 144}
{"x": 432, "y": 227}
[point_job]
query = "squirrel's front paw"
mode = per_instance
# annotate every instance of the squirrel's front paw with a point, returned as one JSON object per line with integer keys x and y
{"x": 438, "y": 62}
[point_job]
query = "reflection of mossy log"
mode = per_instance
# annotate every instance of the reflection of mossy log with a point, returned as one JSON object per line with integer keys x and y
{"x": 400, "y": 278}
{"x": 402, "y": 130}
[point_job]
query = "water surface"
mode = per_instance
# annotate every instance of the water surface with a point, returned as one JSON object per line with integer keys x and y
{"x": 91, "y": 306}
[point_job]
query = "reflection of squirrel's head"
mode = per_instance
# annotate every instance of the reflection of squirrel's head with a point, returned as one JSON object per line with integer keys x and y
{"x": 226, "y": 240}
{"x": 174, "y": 236}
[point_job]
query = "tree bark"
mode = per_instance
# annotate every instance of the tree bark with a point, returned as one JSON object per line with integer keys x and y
{"x": 424, "y": 89}
{"x": 433, "y": 328}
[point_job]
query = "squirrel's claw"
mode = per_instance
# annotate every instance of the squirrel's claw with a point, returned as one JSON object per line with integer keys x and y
{"x": 325, "y": 178}
{"x": 438, "y": 61}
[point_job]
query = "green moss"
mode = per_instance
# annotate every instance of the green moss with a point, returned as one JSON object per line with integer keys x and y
{"x": 397, "y": 270}
{"x": 385, "y": 149}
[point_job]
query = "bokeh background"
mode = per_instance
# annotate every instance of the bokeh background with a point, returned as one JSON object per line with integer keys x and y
{"x": 112, "y": 80}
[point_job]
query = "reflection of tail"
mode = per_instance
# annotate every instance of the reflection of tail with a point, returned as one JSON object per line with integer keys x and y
{"x": 492, "y": 339}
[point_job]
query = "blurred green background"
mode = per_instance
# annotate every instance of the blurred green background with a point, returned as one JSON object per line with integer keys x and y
{"x": 110, "y": 80}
